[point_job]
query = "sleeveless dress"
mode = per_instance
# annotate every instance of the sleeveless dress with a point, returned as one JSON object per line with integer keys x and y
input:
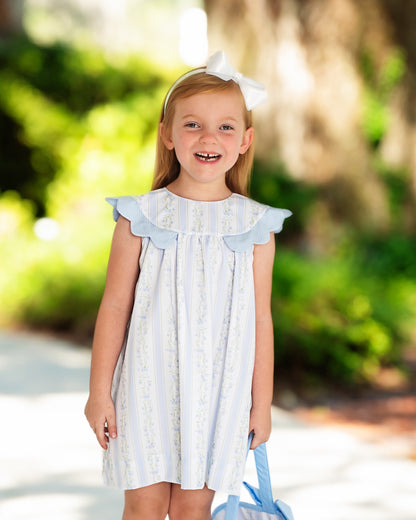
{"x": 182, "y": 384}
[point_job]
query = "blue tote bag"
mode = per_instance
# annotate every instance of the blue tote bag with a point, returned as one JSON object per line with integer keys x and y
{"x": 264, "y": 507}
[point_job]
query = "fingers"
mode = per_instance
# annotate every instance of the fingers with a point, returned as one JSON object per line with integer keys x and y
{"x": 106, "y": 430}
{"x": 111, "y": 427}
{"x": 255, "y": 442}
{"x": 102, "y": 438}
{"x": 260, "y": 435}
{"x": 102, "y": 422}
{"x": 258, "y": 439}
{"x": 260, "y": 425}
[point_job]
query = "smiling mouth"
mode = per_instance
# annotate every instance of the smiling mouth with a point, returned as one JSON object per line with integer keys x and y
{"x": 207, "y": 157}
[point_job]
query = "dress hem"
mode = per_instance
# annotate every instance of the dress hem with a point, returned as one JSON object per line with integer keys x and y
{"x": 171, "y": 481}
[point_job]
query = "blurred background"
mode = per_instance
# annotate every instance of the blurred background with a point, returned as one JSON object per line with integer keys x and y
{"x": 81, "y": 87}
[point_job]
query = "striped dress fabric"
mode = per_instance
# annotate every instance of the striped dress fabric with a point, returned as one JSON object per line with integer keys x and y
{"x": 182, "y": 384}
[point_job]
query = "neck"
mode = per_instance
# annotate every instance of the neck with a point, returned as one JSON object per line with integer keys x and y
{"x": 199, "y": 191}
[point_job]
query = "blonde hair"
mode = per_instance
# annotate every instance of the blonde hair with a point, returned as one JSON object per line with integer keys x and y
{"x": 167, "y": 166}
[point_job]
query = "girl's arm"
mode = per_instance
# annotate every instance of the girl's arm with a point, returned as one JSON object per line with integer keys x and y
{"x": 110, "y": 328}
{"x": 262, "y": 389}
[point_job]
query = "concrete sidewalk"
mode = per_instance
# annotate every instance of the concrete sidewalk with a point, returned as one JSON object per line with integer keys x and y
{"x": 50, "y": 461}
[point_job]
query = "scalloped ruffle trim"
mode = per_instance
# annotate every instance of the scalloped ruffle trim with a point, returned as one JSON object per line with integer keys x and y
{"x": 140, "y": 225}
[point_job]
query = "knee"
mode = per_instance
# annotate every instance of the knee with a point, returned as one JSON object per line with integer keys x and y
{"x": 146, "y": 504}
{"x": 189, "y": 509}
{"x": 140, "y": 511}
{"x": 188, "y": 512}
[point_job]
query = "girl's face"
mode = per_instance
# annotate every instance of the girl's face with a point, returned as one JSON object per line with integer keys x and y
{"x": 208, "y": 133}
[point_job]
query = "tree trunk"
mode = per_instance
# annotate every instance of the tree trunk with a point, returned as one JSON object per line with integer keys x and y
{"x": 309, "y": 55}
{"x": 11, "y": 12}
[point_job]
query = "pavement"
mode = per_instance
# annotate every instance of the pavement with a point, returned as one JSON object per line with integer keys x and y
{"x": 50, "y": 463}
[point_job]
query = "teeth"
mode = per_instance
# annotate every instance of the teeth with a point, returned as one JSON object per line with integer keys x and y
{"x": 207, "y": 156}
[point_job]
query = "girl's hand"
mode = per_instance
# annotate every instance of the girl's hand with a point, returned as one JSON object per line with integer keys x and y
{"x": 260, "y": 425}
{"x": 101, "y": 415}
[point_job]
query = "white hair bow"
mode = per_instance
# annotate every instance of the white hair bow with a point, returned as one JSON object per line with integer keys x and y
{"x": 254, "y": 93}
{"x": 218, "y": 65}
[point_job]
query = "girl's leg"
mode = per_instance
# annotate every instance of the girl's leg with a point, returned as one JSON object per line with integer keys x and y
{"x": 147, "y": 503}
{"x": 186, "y": 504}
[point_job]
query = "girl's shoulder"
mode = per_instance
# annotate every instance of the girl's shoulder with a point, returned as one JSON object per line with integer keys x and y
{"x": 259, "y": 209}
{"x": 139, "y": 209}
{"x": 161, "y": 215}
{"x": 261, "y": 220}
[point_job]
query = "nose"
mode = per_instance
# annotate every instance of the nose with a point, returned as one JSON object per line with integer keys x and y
{"x": 208, "y": 136}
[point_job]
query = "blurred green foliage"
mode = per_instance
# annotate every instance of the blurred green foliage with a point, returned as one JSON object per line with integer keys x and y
{"x": 341, "y": 315}
{"x": 57, "y": 102}
{"x": 379, "y": 83}
{"x": 80, "y": 126}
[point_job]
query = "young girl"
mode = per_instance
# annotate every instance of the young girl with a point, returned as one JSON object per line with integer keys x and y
{"x": 182, "y": 359}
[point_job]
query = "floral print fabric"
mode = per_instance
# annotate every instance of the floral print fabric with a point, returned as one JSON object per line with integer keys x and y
{"x": 182, "y": 384}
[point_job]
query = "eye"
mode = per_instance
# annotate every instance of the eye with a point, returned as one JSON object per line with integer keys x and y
{"x": 191, "y": 124}
{"x": 226, "y": 127}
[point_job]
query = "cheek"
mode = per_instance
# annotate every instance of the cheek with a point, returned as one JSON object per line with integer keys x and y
{"x": 176, "y": 140}
{"x": 181, "y": 148}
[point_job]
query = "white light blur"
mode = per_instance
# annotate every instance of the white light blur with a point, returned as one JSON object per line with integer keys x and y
{"x": 292, "y": 66}
{"x": 46, "y": 229}
{"x": 193, "y": 39}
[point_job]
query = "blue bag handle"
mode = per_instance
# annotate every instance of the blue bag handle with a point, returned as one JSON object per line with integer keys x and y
{"x": 265, "y": 487}
{"x": 263, "y": 476}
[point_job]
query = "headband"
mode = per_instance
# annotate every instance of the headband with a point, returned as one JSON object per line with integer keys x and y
{"x": 218, "y": 65}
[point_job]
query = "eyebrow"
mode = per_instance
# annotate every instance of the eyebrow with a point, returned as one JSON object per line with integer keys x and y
{"x": 193, "y": 116}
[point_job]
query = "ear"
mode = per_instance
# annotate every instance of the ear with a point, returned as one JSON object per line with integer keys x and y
{"x": 247, "y": 140}
{"x": 166, "y": 137}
